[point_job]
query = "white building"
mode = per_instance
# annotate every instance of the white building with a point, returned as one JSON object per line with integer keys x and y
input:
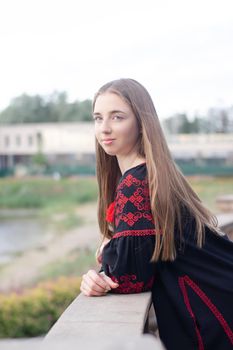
{"x": 205, "y": 146}
{"x": 57, "y": 141}
{"x": 74, "y": 143}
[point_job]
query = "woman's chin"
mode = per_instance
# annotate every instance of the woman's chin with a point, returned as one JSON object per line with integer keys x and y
{"x": 110, "y": 153}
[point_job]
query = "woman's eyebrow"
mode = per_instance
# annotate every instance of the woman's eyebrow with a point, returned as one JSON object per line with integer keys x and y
{"x": 111, "y": 112}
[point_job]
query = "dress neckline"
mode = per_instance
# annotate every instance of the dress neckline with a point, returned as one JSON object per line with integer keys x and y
{"x": 133, "y": 168}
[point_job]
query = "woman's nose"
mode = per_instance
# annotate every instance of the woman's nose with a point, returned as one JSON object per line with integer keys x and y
{"x": 106, "y": 127}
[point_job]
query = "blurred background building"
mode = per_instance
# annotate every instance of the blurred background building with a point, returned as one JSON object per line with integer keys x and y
{"x": 70, "y": 148}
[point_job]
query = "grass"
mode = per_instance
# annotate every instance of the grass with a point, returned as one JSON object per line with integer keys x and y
{"x": 209, "y": 188}
{"x": 75, "y": 264}
{"x": 51, "y": 197}
{"x": 54, "y": 201}
{"x": 46, "y": 192}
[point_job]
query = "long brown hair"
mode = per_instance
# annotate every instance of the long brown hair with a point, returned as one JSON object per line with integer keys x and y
{"x": 169, "y": 190}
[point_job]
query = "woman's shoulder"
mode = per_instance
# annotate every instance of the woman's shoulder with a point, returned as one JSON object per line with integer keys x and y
{"x": 133, "y": 176}
{"x": 137, "y": 168}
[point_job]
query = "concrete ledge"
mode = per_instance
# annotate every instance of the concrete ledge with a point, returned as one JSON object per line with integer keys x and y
{"x": 225, "y": 203}
{"x": 225, "y": 222}
{"x": 123, "y": 314}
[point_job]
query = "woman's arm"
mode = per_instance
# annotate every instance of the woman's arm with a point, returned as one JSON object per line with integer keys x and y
{"x": 98, "y": 254}
{"x": 126, "y": 257}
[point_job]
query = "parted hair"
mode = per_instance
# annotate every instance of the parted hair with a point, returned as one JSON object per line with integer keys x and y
{"x": 169, "y": 190}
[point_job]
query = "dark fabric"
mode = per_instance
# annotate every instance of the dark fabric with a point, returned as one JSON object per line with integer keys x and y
{"x": 193, "y": 295}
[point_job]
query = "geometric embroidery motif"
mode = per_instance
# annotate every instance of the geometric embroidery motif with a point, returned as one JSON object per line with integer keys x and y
{"x": 129, "y": 284}
{"x": 139, "y": 199}
{"x": 128, "y": 181}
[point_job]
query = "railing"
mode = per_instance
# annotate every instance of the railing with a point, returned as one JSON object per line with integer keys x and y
{"x": 112, "y": 319}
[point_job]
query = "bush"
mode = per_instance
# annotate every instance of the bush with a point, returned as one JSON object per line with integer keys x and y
{"x": 34, "y": 311}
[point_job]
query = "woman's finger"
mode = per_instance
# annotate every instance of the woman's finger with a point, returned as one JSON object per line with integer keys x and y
{"x": 95, "y": 281}
{"x": 108, "y": 280}
{"x": 86, "y": 290}
{"x": 94, "y": 286}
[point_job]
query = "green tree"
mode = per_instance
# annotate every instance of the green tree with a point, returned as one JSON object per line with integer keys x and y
{"x": 47, "y": 109}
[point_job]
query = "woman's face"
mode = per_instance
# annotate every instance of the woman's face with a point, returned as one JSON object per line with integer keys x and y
{"x": 116, "y": 127}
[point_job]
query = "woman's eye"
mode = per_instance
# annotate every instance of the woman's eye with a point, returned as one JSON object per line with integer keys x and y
{"x": 97, "y": 118}
{"x": 117, "y": 117}
{"x": 114, "y": 117}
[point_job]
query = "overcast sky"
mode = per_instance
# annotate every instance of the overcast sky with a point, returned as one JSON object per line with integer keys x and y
{"x": 181, "y": 50}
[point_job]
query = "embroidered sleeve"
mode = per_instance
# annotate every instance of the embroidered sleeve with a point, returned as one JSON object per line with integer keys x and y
{"x": 126, "y": 258}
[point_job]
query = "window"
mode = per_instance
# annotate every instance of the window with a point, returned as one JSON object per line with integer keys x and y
{"x": 30, "y": 140}
{"x": 7, "y": 141}
{"x": 18, "y": 140}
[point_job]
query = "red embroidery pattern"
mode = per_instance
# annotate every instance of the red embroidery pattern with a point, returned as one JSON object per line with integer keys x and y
{"x": 129, "y": 284}
{"x": 140, "y": 199}
{"x": 135, "y": 233}
{"x": 121, "y": 201}
{"x": 130, "y": 218}
{"x": 128, "y": 181}
{"x": 136, "y": 199}
{"x": 208, "y": 303}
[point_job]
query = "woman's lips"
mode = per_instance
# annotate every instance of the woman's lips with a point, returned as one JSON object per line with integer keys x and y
{"x": 108, "y": 142}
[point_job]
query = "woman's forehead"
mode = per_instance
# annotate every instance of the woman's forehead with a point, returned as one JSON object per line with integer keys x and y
{"x": 110, "y": 102}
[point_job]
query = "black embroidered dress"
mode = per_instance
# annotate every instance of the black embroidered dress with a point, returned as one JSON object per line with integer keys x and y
{"x": 193, "y": 295}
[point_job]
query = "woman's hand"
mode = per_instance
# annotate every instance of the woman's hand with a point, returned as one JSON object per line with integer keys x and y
{"x": 96, "y": 284}
{"x": 98, "y": 254}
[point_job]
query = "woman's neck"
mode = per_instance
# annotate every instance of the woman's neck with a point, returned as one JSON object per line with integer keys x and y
{"x": 125, "y": 164}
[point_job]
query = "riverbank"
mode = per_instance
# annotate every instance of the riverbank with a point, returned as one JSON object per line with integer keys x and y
{"x": 33, "y": 266}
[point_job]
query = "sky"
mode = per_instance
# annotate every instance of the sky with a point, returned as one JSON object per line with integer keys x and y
{"x": 180, "y": 50}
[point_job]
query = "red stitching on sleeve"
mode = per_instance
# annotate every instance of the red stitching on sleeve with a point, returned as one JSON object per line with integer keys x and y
{"x": 129, "y": 284}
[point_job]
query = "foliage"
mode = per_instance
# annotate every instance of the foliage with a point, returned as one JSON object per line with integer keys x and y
{"x": 46, "y": 192}
{"x": 33, "y": 312}
{"x": 59, "y": 196}
{"x": 209, "y": 188}
{"x": 45, "y": 109}
{"x": 38, "y": 163}
{"x": 39, "y": 159}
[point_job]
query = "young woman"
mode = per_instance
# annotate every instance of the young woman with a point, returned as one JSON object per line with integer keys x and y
{"x": 157, "y": 235}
